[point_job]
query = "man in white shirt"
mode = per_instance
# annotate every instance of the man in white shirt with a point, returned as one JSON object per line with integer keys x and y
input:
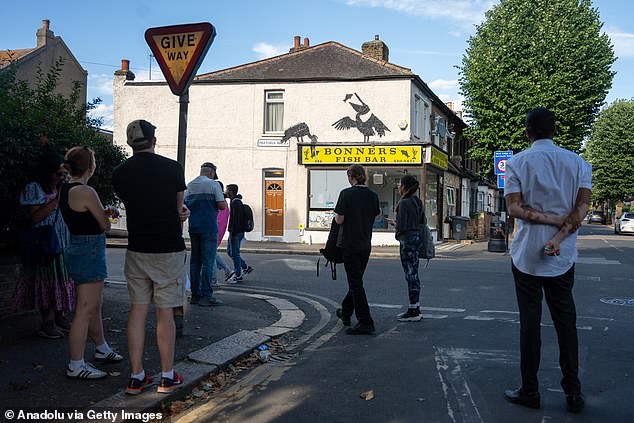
{"x": 547, "y": 189}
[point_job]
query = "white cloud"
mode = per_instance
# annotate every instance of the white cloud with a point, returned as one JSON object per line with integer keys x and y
{"x": 463, "y": 12}
{"x": 100, "y": 84}
{"x": 104, "y": 111}
{"x": 623, "y": 42}
{"x": 443, "y": 84}
{"x": 265, "y": 50}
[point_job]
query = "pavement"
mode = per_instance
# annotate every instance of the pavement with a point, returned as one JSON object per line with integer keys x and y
{"x": 34, "y": 368}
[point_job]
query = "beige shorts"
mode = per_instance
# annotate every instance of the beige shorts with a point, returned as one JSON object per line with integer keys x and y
{"x": 158, "y": 278}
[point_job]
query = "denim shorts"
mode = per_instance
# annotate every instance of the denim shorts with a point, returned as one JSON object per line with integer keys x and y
{"x": 85, "y": 257}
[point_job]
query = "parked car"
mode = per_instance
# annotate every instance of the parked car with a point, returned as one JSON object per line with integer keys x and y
{"x": 625, "y": 223}
{"x": 596, "y": 216}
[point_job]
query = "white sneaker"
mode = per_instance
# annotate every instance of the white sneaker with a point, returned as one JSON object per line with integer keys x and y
{"x": 86, "y": 371}
{"x": 107, "y": 357}
{"x": 235, "y": 279}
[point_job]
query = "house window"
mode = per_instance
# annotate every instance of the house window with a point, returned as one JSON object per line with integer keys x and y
{"x": 274, "y": 111}
{"x": 480, "y": 201}
{"x": 420, "y": 123}
{"x": 451, "y": 201}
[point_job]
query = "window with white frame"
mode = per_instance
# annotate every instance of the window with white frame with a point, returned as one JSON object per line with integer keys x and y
{"x": 274, "y": 111}
{"x": 451, "y": 201}
{"x": 480, "y": 201}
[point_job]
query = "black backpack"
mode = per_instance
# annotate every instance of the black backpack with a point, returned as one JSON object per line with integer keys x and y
{"x": 247, "y": 222}
{"x": 331, "y": 252}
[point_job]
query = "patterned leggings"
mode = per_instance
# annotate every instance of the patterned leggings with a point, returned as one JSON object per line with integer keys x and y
{"x": 409, "y": 248}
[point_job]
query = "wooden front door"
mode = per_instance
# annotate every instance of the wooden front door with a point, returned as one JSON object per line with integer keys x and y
{"x": 274, "y": 207}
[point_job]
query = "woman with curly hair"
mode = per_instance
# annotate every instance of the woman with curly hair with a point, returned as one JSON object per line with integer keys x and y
{"x": 47, "y": 285}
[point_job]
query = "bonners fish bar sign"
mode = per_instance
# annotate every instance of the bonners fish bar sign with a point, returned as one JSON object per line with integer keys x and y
{"x": 329, "y": 155}
{"x": 179, "y": 51}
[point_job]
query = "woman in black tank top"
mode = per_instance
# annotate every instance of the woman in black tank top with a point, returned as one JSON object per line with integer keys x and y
{"x": 87, "y": 220}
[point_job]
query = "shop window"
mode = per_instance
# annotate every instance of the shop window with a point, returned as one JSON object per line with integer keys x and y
{"x": 451, "y": 201}
{"x": 274, "y": 111}
{"x": 325, "y": 186}
{"x": 431, "y": 200}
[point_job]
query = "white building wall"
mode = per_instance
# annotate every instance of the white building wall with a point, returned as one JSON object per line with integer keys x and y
{"x": 226, "y": 121}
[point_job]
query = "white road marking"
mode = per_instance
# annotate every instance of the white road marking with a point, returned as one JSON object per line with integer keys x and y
{"x": 588, "y": 278}
{"x": 500, "y": 311}
{"x": 484, "y": 319}
{"x": 386, "y": 305}
{"x": 449, "y": 310}
{"x": 595, "y": 260}
{"x": 434, "y": 316}
{"x": 455, "y": 386}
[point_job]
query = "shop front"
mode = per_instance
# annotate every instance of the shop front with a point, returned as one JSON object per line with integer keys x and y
{"x": 385, "y": 164}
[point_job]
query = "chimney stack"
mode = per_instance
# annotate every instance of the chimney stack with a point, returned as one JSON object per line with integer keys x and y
{"x": 376, "y": 49}
{"x": 297, "y": 46}
{"x": 125, "y": 70}
{"x": 44, "y": 34}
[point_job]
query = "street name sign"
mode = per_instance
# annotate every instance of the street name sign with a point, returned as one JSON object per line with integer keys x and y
{"x": 500, "y": 158}
{"x": 179, "y": 51}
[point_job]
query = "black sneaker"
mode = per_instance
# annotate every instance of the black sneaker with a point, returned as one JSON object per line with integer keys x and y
{"x": 248, "y": 270}
{"x": 168, "y": 385}
{"x": 207, "y": 302}
{"x": 575, "y": 403}
{"x": 63, "y": 324}
{"x": 518, "y": 396}
{"x": 136, "y": 386}
{"x": 229, "y": 275}
{"x": 48, "y": 330}
{"x": 345, "y": 320}
{"x": 411, "y": 315}
{"x": 360, "y": 329}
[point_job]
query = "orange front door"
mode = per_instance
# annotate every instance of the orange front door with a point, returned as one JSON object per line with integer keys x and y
{"x": 274, "y": 208}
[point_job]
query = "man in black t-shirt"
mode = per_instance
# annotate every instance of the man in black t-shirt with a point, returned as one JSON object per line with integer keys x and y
{"x": 356, "y": 209}
{"x": 152, "y": 188}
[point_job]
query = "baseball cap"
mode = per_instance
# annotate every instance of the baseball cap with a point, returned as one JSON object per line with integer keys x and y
{"x": 140, "y": 132}
{"x": 210, "y": 165}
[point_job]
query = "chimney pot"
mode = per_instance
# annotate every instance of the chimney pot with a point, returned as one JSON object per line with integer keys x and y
{"x": 46, "y": 23}
{"x": 125, "y": 64}
{"x": 306, "y": 42}
{"x": 376, "y": 37}
{"x": 297, "y": 41}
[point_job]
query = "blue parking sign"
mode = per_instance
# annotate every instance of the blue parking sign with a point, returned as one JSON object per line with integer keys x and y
{"x": 500, "y": 158}
{"x": 501, "y": 181}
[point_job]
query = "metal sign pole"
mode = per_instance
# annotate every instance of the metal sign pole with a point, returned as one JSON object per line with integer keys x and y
{"x": 183, "y": 101}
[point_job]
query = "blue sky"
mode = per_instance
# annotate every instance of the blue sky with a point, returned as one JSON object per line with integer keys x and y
{"x": 428, "y": 36}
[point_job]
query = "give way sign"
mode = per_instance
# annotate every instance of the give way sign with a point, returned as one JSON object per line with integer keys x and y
{"x": 179, "y": 51}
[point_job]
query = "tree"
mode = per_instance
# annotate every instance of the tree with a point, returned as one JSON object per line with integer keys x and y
{"x": 35, "y": 118}
{"x": 527, "y": 54}
{"x": 610, "y": 150}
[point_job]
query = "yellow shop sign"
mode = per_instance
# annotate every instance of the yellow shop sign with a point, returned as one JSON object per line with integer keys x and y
{"x": 436, "y": 157}
{"x": 389, "y": 154}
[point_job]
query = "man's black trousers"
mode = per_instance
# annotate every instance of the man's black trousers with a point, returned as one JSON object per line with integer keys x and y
{"x": 558, "y": 292}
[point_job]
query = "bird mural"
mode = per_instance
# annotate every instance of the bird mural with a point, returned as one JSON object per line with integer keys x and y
{"x": 371, "y": 126}
{"x": 299, "y": 131}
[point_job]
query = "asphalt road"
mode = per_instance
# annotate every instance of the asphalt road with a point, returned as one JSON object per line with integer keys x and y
{"x": 454, "y": 365}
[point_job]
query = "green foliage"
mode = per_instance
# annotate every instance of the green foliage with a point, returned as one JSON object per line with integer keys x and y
{"x": 527, "y": 54}
{"x": 610, "y": 150}
{"x": 34, "y": 118}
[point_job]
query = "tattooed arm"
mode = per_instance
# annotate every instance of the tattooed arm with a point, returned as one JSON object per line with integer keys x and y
{"x": 571, "y": 223}
{"x": 520, "y": 210}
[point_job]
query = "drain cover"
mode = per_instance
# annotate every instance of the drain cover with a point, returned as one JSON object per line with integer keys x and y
{"x": 618, "y": 301}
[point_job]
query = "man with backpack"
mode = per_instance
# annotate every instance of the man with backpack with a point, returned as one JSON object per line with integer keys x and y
{"x": 240, "y": 221}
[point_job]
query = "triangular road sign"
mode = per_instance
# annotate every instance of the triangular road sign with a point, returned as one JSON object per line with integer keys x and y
{"x": 179, "y": 51}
